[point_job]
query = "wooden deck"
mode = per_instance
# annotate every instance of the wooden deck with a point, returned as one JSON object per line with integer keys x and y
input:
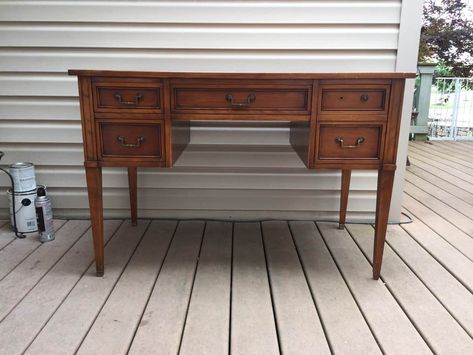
{"x": 197, "y": 287}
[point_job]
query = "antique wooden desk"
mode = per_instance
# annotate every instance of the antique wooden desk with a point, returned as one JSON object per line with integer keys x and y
{"x": 338, "y": 121}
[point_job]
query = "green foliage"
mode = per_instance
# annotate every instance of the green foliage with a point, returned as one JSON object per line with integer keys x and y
{"x": 442, "y": 70}
{"x": 447, "y": 37}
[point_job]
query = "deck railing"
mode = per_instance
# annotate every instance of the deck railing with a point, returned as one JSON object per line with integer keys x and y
{"x": 451, "y": 109}
{"x": 443, "y": 107}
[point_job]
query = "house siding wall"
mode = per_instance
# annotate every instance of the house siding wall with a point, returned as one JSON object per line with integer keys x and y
{"x": 39, "y": 107}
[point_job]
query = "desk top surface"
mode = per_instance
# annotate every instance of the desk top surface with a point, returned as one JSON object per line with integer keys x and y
{"x": 257, "y": 75}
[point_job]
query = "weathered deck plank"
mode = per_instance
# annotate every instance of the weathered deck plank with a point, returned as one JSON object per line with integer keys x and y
{"x": 457, "y": 299}
{"x": 297, "y": 320}
{"x": 207, "y": 328}
{"x": 459, "y": 147}
{"x": 42, "y": 301}
{"x": 443, "y": 193}
{"x": 253, "y": 328}
{"x": 446, "y": 161}
{"x": 460, "y": 240}
{"x": 438, "y": 182}
{"x": 346, "y": 329}
{"x": 165, "y": 314}
{"x": 122, "y": 312}
{"x": 446, "y": 254}
{"x": 432, "y": 320}
{"x": 441, "y": 165}
{"x": 70, "y": 323}
{"x": 26, "y": 275}
{"x": 6, "y": 235}
{"x": 443, "y": 174}
{"x": 460, "y": 220}
{"x": 435, "y": 150}
{"x": 387, "y": 320}
{"x": 19, "y": 249}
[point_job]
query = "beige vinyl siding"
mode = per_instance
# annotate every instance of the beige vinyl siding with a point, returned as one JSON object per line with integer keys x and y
{"x": 260, "y": 177}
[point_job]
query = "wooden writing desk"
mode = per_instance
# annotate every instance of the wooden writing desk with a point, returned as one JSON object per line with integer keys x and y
{"x": 338, "y": 121}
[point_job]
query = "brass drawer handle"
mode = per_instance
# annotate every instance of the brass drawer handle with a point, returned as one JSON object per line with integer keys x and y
{"x": 122, "y": 142}
{"x": 359, "y": 141}
{"x": 364, "y": 98}
{"x": 138, "y": 98}
{"x": 249, "y": 99}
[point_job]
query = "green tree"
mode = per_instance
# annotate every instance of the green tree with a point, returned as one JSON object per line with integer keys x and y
{"x": 447, "y": 36}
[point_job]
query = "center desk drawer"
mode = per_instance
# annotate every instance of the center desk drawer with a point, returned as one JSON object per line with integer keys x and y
{"x": 241, "y": 96}
{"x": 125, "y": 140}
{"x": 349, "y": 141}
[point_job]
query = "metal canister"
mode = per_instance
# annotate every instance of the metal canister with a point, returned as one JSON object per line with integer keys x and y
{"x": 24, "y": 211}
{"x": 23, "y": 175}
{"x": 44, "y": 214}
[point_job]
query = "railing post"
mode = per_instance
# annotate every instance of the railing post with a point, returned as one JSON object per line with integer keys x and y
{"x": 421, "y": 128}
{"x": 456, "y": 105}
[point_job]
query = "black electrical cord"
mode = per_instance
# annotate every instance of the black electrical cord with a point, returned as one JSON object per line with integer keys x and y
{"x": 15, "y": 228}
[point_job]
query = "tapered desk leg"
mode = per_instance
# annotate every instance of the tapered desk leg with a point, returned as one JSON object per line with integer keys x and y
{"x": 345, "y": 189}
{"x": 132, "y": 186}
{"x": 383, "y": 201}
{"x": 94, "y": 188}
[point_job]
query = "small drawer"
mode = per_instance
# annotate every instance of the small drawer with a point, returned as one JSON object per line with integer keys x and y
{"x": 353, "y": 142}
{"x": 259, "y": 97}
{"x": 132, "y": 97}
{"x": 118, "y": 140}
{"x": 362, "y": 99}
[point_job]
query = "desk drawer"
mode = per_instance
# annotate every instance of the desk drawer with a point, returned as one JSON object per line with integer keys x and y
{"x": 352, "y": 142}
{"x": 354, "y": 99}
{"x": 131, "y": 97}
{"x": 237, "y": 97}
{"x": 124, "y": 140}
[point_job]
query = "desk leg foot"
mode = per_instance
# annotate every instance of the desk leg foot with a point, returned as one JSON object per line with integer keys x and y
{"x": 344, "y": 191}
{"x": 383, "y": 202}
{"x": 132, "y": 186}
{"x": 94, "y": 189}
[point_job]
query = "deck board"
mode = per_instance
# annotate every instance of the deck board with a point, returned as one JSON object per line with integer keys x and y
{"x": 445, "y": 174}
{"x": 346, "y": 329}
{"x": 209, "y": 308}
{"x": 197, "y": 287}
{"x": 122, "y": 312}
{"x": 18, "y": 250}
{"x": 432, "y": 320}
{"x": 68, "y": 326}
{"x": 165, "y": 314}
{"x": 6, "y": 235}
{"x": 44, "y": 299}
{"x": 443, "y": 193}
{"x": 455, "y": 297}
{"x": 438, "y": 182}
{"x": 297, "y": 320}
{"x": 434, "y": 150}
{"x": 447, "y": 161}
{"x": 388, "y": 321}
{"x": 435, "y": 201}
{"x": 253, "y": 328}
{"x": 446, "y": 229}
{"x": 26, "y": 275}
{"x": 450, "y": 257}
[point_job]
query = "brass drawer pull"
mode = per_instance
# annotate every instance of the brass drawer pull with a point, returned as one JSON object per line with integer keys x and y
{"x": 364, "y": 98}
{"x": 359, "y": 141}
{"x": 119, "y": 98}
{"x": 249, "y": 99}
{"x": 122, "y": 142}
